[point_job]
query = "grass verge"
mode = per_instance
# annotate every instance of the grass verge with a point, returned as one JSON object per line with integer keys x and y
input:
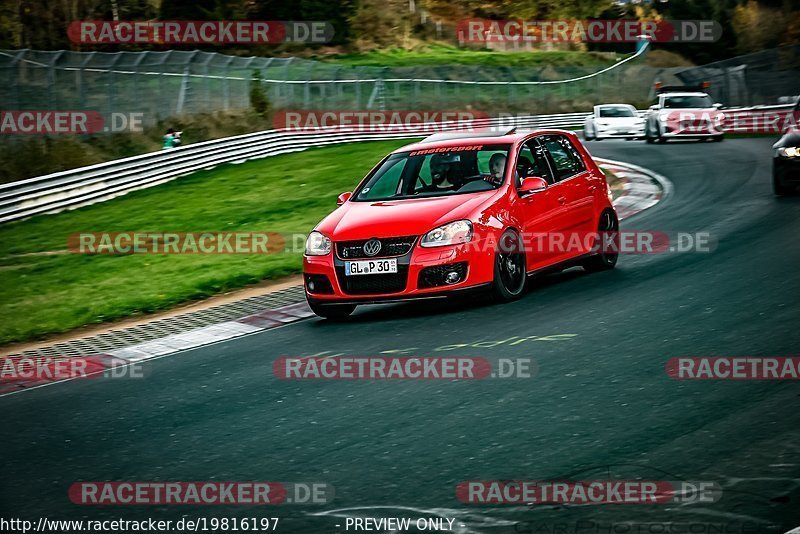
{"x": 434, "y": 54}
{"x": 46, "y": 290}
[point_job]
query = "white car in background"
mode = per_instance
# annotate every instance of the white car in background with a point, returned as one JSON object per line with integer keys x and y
{"x": 684, "y": 113}
{"x": 613, "y": 120}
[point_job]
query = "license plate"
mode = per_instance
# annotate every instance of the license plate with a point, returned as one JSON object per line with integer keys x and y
{"x": 353, "y": 268}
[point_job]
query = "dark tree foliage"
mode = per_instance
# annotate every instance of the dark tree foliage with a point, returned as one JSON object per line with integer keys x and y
{"x": 747, "y": 25}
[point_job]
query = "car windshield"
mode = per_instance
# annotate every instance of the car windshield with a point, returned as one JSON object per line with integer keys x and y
{"x": 688, "y": 101}
{"x": 616, "y": 111}
{"x": 437, "y": 172}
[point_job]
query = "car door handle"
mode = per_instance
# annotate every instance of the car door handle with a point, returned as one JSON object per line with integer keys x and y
{"x": 561, "y": 200}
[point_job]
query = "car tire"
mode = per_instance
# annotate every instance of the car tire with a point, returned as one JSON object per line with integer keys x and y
{"x": 604, "y": 261}
{"x": 587, "y": 136}
{"x": 649, "y": 136}
{"x": 334, "y": 312}
{"x": 510, "y": 276}
{"x": 719, "y": 138}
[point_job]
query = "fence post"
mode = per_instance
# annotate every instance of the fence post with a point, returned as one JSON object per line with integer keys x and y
{"x": 185, "y": 88}
{"x": 111, "y": 85}
{"x": 51, "y": 80}
{"x": 136, "y": 100}
{"x": 165, "y": 109}
{"x": 307, "y": 89}
{"x": 226, "y": 86}
{"x": 358, "y": 88}
{"x": 15, "y": 66}
{"x": 288, "y": 87}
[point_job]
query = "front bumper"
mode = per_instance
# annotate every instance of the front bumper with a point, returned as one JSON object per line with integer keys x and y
{"x": 622, "y": 133}
{"x": 786, "y": 170}
{"x": 420, "y": 275}
{"x": 690, "y": 132}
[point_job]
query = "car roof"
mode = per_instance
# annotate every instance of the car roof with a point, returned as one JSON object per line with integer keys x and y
{"x": 453, "y": 139}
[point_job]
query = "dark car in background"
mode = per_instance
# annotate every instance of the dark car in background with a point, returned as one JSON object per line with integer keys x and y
{"x": 786, "y": 163}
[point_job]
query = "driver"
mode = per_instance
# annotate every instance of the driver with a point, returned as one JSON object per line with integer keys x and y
{"x": 441, "y": 172}
{"x": 497, "y": 166}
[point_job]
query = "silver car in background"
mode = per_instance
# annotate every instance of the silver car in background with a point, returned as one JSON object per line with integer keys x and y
{"x": 613, "y": 120}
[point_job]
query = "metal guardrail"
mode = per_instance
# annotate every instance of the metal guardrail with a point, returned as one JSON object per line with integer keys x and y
{"x": 88, "y": 185}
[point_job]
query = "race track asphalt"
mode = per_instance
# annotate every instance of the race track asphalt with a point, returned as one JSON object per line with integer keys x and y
{"x": 601, "y": 405}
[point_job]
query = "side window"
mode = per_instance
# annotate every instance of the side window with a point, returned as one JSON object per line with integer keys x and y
{"x": 542, "y": 168}
{"x": 524, "y": 164}
{"x": 566, "y": 160}
{"x": 531, "y": 161}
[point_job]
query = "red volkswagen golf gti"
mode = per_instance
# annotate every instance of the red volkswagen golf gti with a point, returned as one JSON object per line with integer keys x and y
{"x": 455, "y": 213}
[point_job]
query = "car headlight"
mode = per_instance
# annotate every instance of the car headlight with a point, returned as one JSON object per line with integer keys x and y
{"x": 448, "y": 234}
{"x": 317, "y": 244}
{"x": 789, "y": 152}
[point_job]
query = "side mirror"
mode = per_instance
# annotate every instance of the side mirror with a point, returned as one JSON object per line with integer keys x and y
{"x": 654, "y": 107}
{"x": 532, "y": 184}
{"x": 717, "y": 106}
{"x": 344, "y": 197}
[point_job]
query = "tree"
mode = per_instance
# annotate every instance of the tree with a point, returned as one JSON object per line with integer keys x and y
{"x": 258, "y": 98}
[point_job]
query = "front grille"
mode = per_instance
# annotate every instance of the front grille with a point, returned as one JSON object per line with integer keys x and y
{"x": 373, "y": 284}
{"x": 390, "y": 246}
{"x": 695, "y": 126}
{"x": 321, "y": 284}
{"x": 435, "y": 276}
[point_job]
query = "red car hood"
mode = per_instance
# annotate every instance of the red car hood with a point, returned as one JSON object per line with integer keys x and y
{"x": 363, "y": 220}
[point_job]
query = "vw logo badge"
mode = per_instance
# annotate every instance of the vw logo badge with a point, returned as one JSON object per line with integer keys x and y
{"x": 372, "y": 247}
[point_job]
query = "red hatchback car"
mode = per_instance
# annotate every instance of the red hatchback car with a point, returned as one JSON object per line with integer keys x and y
{"x": 453, "y": 213}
